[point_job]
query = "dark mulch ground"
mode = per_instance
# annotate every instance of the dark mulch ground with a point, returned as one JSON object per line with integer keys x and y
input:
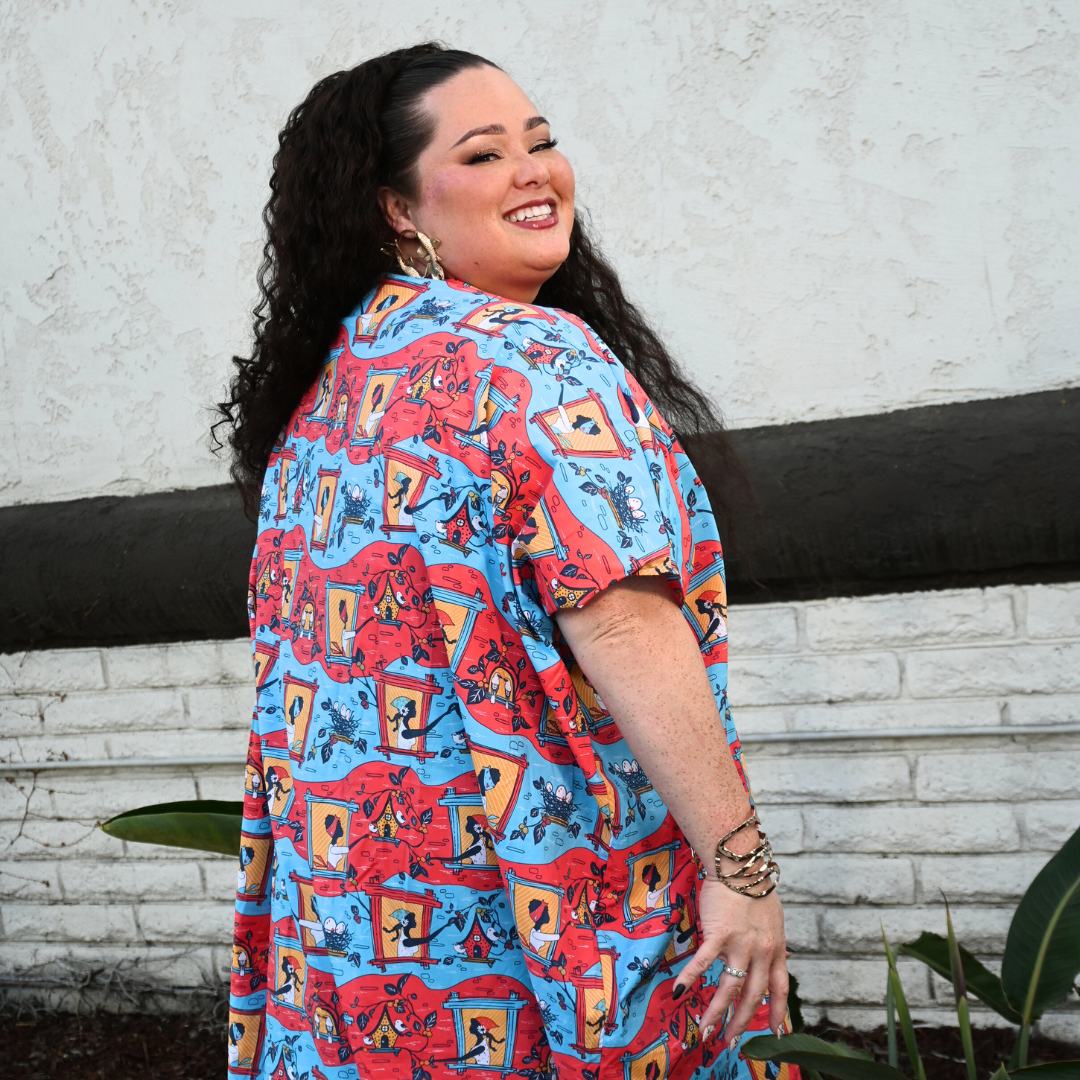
{"x": 174, "y": 1048}
{"x": 105, "y": 1047}
{"x": 942, "y": 1052}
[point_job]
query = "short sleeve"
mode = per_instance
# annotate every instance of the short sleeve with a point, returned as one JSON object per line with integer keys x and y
{"x": 586, "y": 477}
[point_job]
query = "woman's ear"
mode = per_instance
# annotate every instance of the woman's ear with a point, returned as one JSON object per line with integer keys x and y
{"x": 395, "y": 209}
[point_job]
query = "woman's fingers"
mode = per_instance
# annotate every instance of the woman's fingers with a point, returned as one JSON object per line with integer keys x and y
{"x": 749, "y": 933}
{"x": 765, "y": 974}
{"x": 727, "y": 990}
{"x": 778, "y": 994}
{"x": 696, "y": 966}
{"x": 756, "y": 985}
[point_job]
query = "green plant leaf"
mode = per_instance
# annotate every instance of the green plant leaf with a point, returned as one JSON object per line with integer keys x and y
{"x": 933, "y": 951}
{"x": 205, "y": 825}
{"x": 906, "y": 1026}
{"x": 1042, "y": 951}
{"x": 808, "y": 1052}
{"x": 956, "y": 964}
{"x": 1050, "y": 1070}
{"x": 956, "y": 968}
{"x": 890, "y": 1023}
{"x": 964, "y": 1019}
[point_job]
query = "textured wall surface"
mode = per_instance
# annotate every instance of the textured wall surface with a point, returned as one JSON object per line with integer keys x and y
{"x": 866, "y": 832}
{"x": 854, "y": 207}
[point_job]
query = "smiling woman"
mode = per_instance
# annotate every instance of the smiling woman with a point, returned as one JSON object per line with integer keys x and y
{"x": 499, "y": 196}
{"x": 488, "y": 611}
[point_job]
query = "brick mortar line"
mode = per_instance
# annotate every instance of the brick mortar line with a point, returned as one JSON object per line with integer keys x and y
{"x": 764, "y": 739}
{"x": 906, "y": 649}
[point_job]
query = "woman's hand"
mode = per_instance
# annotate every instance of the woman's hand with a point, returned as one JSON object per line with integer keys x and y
{"x": 749, "y": 935}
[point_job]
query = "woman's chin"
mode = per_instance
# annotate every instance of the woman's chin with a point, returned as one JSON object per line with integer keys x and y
{"x": 545, "y": 257}
{"x": 519, "y": 275}
{"x": 536, "y": 248}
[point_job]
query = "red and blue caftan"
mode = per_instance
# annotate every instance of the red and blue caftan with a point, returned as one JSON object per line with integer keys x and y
{"x": 451, "y": 861}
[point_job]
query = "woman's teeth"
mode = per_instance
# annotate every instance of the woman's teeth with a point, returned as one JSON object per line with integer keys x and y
{"x": 527, "y": 213}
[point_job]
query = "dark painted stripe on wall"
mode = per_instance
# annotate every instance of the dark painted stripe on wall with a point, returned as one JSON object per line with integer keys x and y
{"x": 965, "y": 494}
{"x": 121, "y": 571}
{"x": 977, "y": 493}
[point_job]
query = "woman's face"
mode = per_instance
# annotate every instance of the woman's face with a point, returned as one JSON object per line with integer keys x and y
{"x": 490, "y": 186}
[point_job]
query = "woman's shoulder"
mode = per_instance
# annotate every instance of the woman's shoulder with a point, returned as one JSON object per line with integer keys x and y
{"x": 560, "y": 329}
{"x": 530, "y": 329}
{"x": 398, "y": 309}
{"x": 552, "y": 348}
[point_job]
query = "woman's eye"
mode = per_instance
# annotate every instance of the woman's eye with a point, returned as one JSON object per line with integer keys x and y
{"x": 478, "y": 159}
{"x": 549, "y": 145}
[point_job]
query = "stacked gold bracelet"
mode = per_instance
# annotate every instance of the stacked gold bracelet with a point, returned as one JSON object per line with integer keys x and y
{"x": 756, "y": 868}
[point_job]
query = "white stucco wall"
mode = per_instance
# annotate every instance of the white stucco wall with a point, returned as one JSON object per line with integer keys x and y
{"x": 830, "y": 209}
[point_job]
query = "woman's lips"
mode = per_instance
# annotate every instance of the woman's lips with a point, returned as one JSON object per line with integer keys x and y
{"x": 548, "y": 222}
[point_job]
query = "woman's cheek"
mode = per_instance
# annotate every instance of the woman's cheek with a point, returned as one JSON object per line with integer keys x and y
{"x": 464, "y": 195}
{"x": 562, "y": 179}
{"x": 464, "y": 211}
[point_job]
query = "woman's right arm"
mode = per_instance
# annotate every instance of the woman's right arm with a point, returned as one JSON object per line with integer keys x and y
{"x": 635, "y": 646}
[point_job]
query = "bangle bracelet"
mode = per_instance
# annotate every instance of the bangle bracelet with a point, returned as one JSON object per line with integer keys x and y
{"x": 757, "y": 874}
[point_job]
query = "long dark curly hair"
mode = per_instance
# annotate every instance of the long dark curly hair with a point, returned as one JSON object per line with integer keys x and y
{"x": 358, "y": 131}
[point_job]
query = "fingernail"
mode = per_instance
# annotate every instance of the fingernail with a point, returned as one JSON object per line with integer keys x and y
{"x": 780, "y": 1032}
{"x": 678, "y": 993}
{"x": 707, "y": 1033}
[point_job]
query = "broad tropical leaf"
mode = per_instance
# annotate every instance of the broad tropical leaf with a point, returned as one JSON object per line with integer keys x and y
{"x": 808, "y": 1052}
{"x": 933, "y": 951}
{"x": 1042, "y": 951}
{"x": 1050, "y": 1070}
{"x": 205, "y": 825}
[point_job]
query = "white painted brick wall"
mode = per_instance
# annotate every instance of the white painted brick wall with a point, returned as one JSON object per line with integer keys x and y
{"x": 889, "y": 825}
{"x": 71, "y": 895}
{"x": 869, "y": 833}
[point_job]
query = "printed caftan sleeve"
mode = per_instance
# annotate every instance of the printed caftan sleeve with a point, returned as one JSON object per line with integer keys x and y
{"x": 602, "y": 500}
{"x": 585, "y": 488}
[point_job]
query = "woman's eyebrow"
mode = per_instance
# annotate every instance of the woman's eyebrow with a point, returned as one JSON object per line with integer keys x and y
{"x": 498, "y": 129}
{"x": 491, "y": 129}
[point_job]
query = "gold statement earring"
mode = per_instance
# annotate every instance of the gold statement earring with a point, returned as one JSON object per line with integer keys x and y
{"x": 434, "y": 263}
{"x": 428, "y": 246}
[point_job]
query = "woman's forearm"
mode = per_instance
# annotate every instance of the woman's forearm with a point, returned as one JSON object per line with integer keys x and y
{"x": 636, "y": 648}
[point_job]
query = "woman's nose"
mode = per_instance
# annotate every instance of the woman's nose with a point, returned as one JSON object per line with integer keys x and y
{"x": 531, "y": 171}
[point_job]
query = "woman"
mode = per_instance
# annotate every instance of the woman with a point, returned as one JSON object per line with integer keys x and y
{"x": 286, "y": 992}
{"x": 337, "y": 851}
{"x": 425, "y": 262}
